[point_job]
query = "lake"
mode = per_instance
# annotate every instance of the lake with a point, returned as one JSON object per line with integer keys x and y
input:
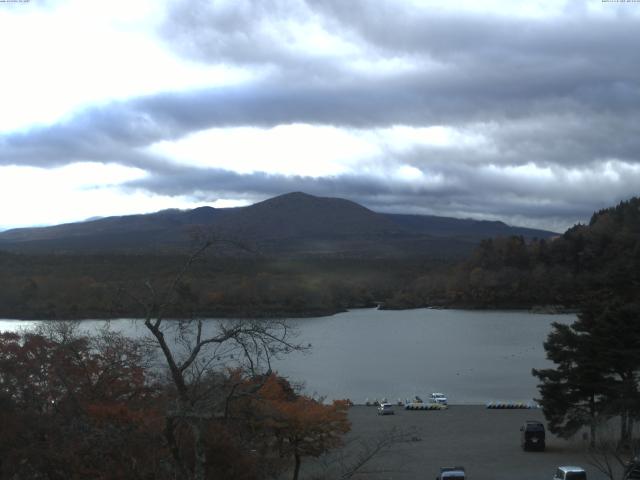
{"x": 472, "y": 356}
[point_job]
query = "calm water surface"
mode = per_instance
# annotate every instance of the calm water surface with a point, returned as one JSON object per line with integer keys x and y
{"x": 472, "y": 356}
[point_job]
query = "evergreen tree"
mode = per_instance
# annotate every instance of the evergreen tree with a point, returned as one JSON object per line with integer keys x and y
{"x": 572, "y": 393}
{"x": 597, "y": 372}
{"x": 614, "y": 329}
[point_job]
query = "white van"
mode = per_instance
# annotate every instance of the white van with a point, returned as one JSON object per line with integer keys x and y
{"x": 385, "y": 409}
{"x": 570, "y": 473}
{"x": 438, "y": 397}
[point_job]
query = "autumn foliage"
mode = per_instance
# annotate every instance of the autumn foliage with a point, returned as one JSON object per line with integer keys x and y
{"x": 69, "y": 405}
{"x": 78, "y": 407}
{"x": 300, "y": 426}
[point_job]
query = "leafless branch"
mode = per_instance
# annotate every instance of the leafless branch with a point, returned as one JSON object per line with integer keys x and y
{"x": 608, "y": 456}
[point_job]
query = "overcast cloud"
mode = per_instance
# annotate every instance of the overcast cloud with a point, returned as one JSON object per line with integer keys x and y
{"x": 525, "y": 115}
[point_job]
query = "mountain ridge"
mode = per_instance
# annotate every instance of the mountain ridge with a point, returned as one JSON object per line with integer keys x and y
{"x": 295, "y": 223}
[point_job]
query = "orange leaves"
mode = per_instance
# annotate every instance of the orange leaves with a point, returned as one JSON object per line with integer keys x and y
{"x": 87, "y": 408}
{"x": 80, "y": 407}
{"x": 304, "y": 425}
{"x": 276, "y": 389}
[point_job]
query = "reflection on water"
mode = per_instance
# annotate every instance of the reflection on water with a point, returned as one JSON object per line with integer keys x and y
{"x": 472, "y": 356}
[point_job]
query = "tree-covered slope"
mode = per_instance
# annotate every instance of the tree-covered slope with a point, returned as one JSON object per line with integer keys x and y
{"x": 590, "y": 261}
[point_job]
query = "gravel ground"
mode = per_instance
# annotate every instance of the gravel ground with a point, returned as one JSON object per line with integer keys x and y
{"x": 486, "y": 442}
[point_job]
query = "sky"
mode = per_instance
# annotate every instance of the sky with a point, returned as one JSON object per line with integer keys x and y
{"x": 522, "y": 111}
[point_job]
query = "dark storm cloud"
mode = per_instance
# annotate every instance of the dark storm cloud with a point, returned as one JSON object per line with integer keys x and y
{"x": 113, "y": 133}
{"x": 560, "y": 93}
{"x": 584, "y": 59}
{"x": 109, "y": 133}
{"x": 104, "y": 134}
{"x": 554, "y": 90}
{"x": 551, "y": 201}
{"x": 235, "y": 32}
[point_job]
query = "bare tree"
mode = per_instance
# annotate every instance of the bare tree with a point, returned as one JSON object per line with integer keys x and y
{"x": 195, "y": 351}
{"x": 610, "y": 456}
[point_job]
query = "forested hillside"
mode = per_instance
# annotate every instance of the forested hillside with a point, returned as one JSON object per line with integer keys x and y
{"x": 586, "y": 262}
{"x": 103, "y": 286}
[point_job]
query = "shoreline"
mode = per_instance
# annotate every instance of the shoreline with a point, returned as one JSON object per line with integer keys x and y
{"x": 294, "y": 315}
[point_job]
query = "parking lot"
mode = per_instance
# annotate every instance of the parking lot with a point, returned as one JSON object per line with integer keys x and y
{"x": 486, "y": 442}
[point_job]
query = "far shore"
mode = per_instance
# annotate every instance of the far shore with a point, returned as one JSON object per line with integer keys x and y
{"x": 297, "y": 314}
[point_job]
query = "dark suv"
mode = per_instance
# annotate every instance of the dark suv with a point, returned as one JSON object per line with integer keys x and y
{"x": 532, "y": 435}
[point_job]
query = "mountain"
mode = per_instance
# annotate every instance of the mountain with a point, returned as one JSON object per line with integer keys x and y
{"x": 301, "y": 215}
{"x": 290, "y": 224}
{"x": 457, "y": 227}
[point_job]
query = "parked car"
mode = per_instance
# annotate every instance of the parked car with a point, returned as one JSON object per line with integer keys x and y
{"x": 440, "y": 398}
{"x": 570, "y": 473}
{"x": 532, "y": 435}
{"x": 385, "y": 409}
{"x": 451, "y": 473}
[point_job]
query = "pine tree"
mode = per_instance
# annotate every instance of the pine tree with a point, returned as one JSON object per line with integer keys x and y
{"x": 572, "y": 393}
{"x": 597, "y": 374}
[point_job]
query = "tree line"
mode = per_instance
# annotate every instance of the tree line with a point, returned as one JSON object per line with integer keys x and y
{"x": 91, "y": 286}
{"x": 597, "y": 260}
